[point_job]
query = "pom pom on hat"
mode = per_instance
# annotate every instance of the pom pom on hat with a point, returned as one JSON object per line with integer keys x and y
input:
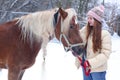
{"x": 102, "y": 8}
{"x": 97, "y": 12}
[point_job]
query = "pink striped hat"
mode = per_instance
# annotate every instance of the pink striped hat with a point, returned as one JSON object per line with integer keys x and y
{"x": 97, "y": 13}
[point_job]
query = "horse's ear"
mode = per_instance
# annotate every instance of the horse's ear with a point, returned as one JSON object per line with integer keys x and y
{"x": 63, "y": 13}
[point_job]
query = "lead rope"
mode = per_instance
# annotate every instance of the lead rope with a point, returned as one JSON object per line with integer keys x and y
{"x": 81, "y": 60}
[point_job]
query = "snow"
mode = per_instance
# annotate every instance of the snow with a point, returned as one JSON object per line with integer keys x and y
{"x": 114, "y": 61}
{"x": 59, "y": 65}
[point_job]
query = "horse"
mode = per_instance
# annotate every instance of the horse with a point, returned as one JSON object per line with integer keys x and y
{"x": 22, "y": 38}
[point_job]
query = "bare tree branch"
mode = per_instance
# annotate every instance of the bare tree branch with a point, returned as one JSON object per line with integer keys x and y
{"x": 13, "y": 3}
{"x": 14, "y": 12}
{"x": 3, "y": 16}
{"x": 25, "y": 3}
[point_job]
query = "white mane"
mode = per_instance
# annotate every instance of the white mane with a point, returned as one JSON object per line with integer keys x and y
{"x": 39, "y": 24}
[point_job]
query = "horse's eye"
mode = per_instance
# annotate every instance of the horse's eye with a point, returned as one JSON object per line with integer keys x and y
{"x": 71, "y": 26}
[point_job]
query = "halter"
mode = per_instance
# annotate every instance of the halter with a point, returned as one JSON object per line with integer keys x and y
{"x": 70, "y": 46}
{"x": 62, "y": 35}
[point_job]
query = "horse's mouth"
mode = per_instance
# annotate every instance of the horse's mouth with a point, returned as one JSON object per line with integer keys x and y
{"x": 77, "y": 51}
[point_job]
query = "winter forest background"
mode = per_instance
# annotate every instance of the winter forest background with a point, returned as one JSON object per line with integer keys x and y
{"x": 10, "y": 9}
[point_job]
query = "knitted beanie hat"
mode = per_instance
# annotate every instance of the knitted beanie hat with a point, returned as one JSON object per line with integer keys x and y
{"x": 97, "y": 13}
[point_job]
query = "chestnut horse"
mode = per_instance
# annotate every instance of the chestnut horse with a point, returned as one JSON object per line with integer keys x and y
{"x": 23, "y": 37}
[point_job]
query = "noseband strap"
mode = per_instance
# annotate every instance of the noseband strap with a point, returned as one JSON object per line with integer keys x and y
{"x": 68, "y": 43}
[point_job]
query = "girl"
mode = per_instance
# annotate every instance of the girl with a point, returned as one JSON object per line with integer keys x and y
{"x": 98, "y": 45}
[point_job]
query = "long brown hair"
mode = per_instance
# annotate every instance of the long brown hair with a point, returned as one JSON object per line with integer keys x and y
{"x": 95, "y": 31}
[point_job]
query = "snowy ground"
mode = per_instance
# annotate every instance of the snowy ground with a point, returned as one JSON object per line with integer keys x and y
{"x": 59, "y": 65}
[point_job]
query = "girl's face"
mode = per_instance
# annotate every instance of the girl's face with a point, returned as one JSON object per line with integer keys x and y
{"x": 90, "y": 20}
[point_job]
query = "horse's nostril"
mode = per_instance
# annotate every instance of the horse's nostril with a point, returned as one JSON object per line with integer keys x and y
{"x": 68, "y": 50}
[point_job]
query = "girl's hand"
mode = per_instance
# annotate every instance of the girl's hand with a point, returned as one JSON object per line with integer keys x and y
{"x": 86, "y": 67}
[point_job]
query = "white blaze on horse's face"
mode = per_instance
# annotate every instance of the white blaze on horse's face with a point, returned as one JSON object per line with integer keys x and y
{"x": 65, "y": 24}
{"x": 76, "y": 20}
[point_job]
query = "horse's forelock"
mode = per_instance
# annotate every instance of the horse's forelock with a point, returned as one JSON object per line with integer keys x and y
{"x": 66, "y": 22}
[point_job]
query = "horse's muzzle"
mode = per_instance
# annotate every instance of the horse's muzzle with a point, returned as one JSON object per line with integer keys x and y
{"x": 77, "y": 51}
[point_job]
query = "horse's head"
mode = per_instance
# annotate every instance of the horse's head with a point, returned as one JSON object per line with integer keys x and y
{"x": 67, "y": 30}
